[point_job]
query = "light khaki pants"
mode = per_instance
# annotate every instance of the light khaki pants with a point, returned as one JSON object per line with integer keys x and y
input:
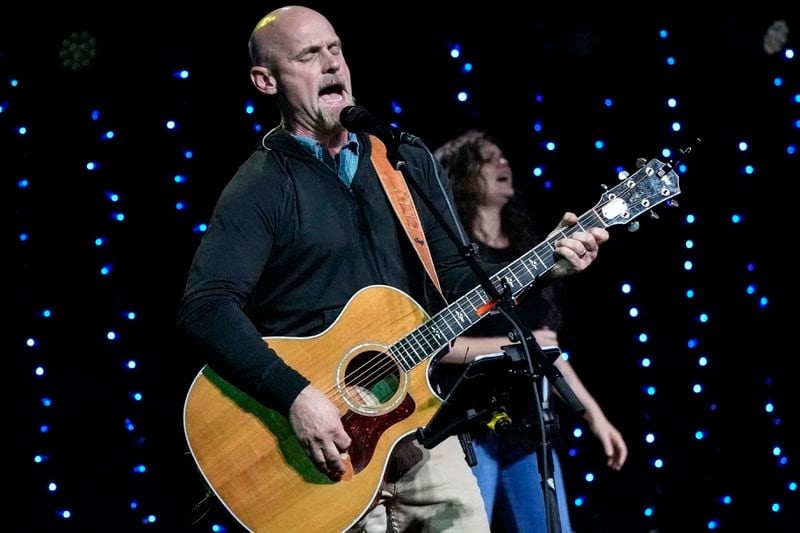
{"x": 427, "y": 491}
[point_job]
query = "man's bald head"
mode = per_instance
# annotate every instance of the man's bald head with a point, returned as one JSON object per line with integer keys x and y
{"x": 272, "y": 27}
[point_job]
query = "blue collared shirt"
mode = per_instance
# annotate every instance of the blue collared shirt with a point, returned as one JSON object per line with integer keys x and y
{"x": 348, "y": 156}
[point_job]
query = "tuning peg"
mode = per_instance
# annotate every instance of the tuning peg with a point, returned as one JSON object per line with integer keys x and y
{"x": 604, "y": 187}
{"x": 623, "y": 175}
{"x": 640, "y": 162}
{"x": 633, "y": 226}
{"x": 673, "y": 203}
{"x": 654, "y": 215}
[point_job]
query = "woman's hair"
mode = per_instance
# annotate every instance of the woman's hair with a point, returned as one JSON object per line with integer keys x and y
{"x": 461, "y": 158}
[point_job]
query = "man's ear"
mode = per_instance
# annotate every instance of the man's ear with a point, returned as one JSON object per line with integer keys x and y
{"x": 263, "y": 80}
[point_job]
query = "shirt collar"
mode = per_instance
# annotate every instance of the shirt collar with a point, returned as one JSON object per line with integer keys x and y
{"x": 316, "y": 147}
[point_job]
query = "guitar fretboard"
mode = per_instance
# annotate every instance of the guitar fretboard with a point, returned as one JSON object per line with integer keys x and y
{"x": 431, "y": 337}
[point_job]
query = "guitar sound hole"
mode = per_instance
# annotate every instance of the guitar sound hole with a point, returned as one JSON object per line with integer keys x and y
{"x": 371, "y": 379}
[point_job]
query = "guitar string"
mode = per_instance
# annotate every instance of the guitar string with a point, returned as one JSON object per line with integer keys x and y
{"x": 380, "y": 366}
{"x": 370, "y": 372}
{"x": 426, "y": 338}
{"x": 386, "y": 365}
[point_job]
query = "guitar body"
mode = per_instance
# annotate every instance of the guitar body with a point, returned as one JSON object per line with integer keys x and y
{"x": 249, "y": 455}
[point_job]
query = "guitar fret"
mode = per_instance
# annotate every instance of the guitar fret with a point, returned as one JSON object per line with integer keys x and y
{"x": 431, "y": 347}
{"x": 535, "y": 264}
{"x": 437, "y": 333}
{"x": 516, "y": 280}
{"x": 482, "y": 297}
{"x": 460, "y": 315}
{"x": 526, "y": 268}
{"x": 407, "y": 362}
{"x": 409, "y": 350}
{"x": 414, "y": 337}
{"x": 397, "y": 356}
{"x": 454, "y": 333}
{"x": 473, "y": 312}
{"x": 412, "y": 350}
{"x": 481, "y": 300}
{"x": 538, "y": 257}
{"x": 524, "y": 275}
{"x": 433, "y": 340}
{"x": 521, "y": 282}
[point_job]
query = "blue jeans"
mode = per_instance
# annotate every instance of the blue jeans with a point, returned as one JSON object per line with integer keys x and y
{"x": 508, "y": 476}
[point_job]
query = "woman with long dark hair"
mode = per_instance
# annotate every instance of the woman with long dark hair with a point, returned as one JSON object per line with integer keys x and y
{"x": 507, "y": 466}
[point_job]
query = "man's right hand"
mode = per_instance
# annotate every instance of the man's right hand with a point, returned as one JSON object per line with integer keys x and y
{"x": 318, "y": 425}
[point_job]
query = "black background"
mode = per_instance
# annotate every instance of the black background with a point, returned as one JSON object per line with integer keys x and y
{"x": 723, "y": 81}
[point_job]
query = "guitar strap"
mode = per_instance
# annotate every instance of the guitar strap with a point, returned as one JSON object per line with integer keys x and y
{"x": 399, "y": 196}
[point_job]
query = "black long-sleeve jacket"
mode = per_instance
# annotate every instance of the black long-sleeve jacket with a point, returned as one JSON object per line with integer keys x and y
{"x": 287, "y": 246}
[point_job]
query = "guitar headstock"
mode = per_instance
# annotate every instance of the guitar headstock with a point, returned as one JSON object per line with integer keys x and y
{"x": 654, "y": 183}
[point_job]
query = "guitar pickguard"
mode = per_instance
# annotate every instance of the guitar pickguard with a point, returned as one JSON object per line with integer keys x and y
{"x": 366, "y": 430}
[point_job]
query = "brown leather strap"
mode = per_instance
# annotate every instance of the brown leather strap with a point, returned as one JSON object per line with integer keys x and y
{"x": 397, "y": 190}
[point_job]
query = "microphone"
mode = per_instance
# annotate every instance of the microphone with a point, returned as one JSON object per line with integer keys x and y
{"x": 357, "y": 119}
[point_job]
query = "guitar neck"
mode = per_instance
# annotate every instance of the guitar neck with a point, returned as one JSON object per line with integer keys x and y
{"x": 432, "y": 336}
{"x": 653, "y": 183}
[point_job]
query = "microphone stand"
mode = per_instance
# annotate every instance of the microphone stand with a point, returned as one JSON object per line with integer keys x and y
{"x": 527, "y": 353}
